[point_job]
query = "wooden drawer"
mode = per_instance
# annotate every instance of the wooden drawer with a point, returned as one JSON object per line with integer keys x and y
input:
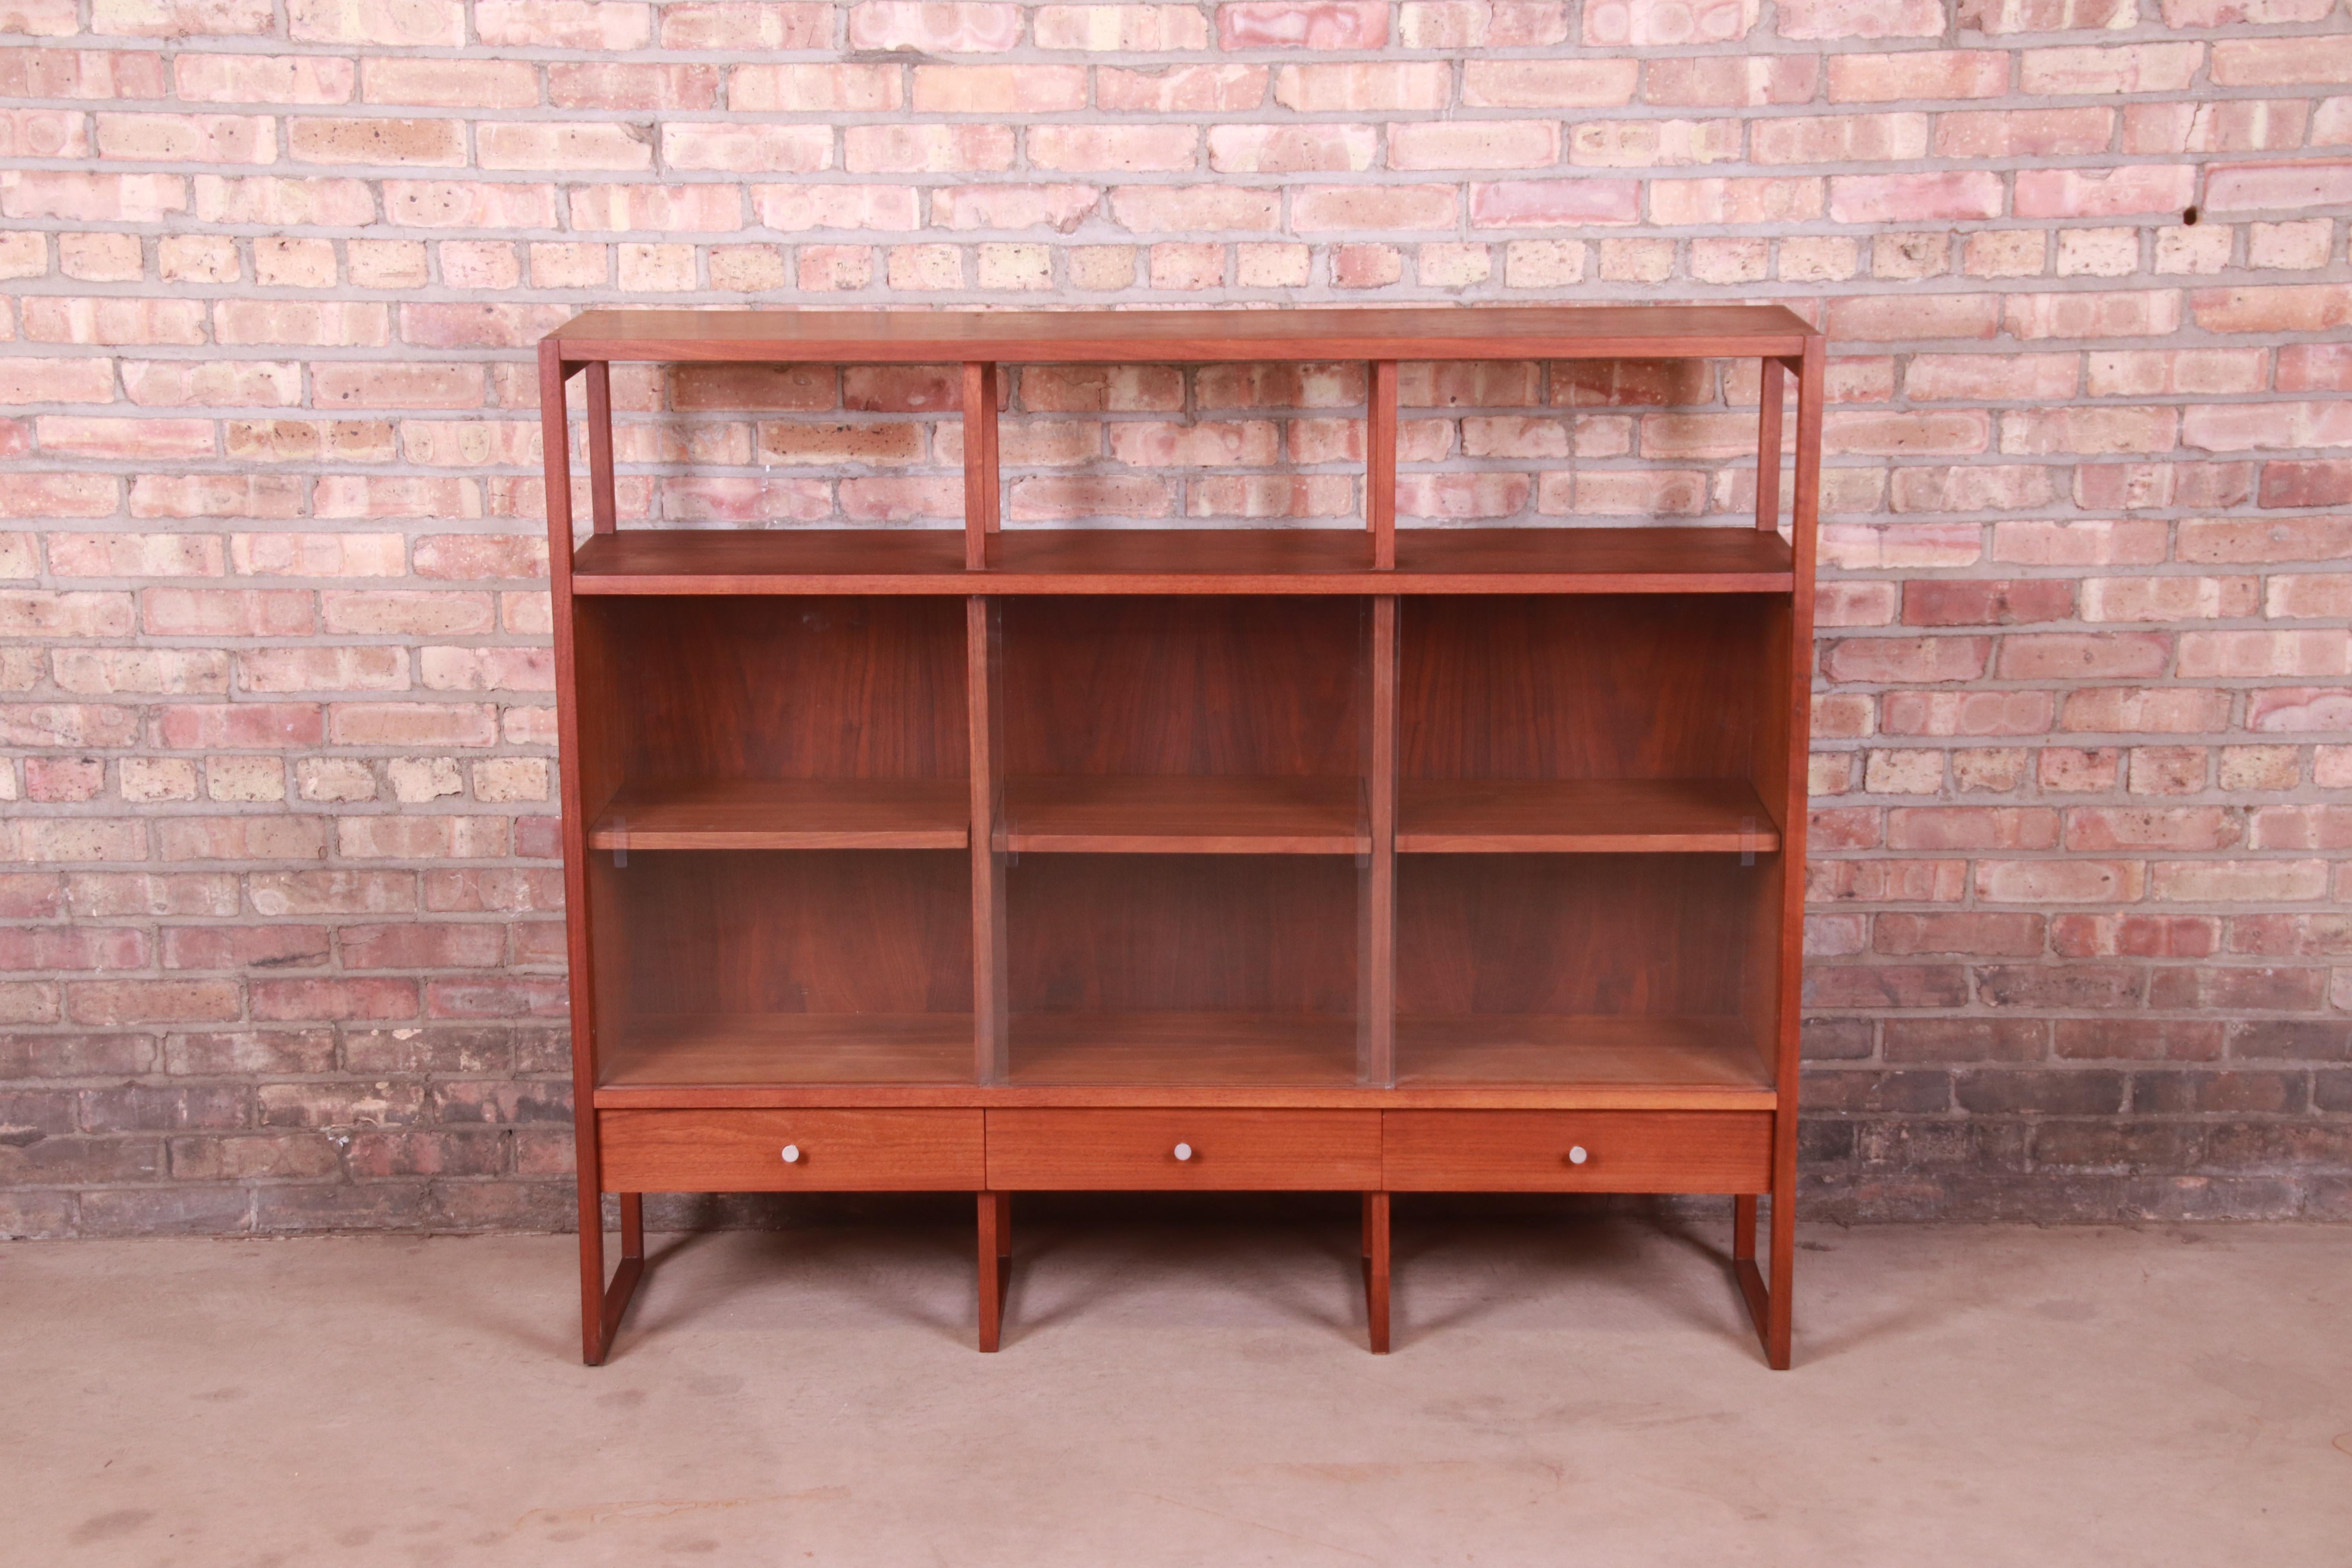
{"x": 839, "y": 1150}
{"x": 1232, "y": 1151}
{"x": 1626, "y": 1151}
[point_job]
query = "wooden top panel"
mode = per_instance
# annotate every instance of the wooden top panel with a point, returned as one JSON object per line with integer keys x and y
{"x": 1126, "y": 335}
{"x": 1185, "y": 561}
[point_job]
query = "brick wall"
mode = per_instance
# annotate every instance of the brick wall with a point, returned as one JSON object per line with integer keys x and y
{"x": 282, "y": 907}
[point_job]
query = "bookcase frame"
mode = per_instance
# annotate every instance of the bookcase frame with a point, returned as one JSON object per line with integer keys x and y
{"x": 1368, "y": 859}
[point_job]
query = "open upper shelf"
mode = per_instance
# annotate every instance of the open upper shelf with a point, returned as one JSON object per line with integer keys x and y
{"x": 1581, "y": 816}
{"x": 1186, "y": 561}
{"x": 788, "y": 814}
{"x": 1187, "y": 816}
{"x": 1163, "y": 337}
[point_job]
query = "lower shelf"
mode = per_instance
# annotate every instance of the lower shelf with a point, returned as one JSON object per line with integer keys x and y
{"x": 1203, "y": 1050}
{"x": 1710, "y": 1056}
{"x": 1136, "y": 1058}
{"x": 771, "y": 1049}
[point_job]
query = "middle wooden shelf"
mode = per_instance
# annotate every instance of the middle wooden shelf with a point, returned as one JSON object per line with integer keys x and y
{"x": 1194, "y": 815}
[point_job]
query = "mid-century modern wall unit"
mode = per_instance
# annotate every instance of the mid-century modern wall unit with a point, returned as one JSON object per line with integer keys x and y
{"x": 1375, "y": 861}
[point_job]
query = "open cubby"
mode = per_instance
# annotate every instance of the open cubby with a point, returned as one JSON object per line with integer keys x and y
{"x": 1206, "y": 724}
{"x": 1183, "y": 970}
{"x": 1225, "y": 859}
{"x": 777, "y": 967}
{"x": 778, "y": 723}
{"x": 1558, "y": 723}
{"x": 1580, "y": 968}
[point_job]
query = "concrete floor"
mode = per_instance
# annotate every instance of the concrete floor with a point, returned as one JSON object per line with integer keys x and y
{"x": 1176, "y": 1390}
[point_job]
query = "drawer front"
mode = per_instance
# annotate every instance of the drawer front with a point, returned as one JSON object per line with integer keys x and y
{"x": 835, "y": 1150}
{"x": 1230, "y": 1151}
{"x": 1532, "y": 1150}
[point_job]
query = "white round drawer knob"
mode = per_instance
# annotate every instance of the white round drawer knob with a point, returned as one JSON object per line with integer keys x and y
{"x": 1577, "y": 1156}
{"x": 1183, "y": 1151}
{"x": 793, "y": 1154}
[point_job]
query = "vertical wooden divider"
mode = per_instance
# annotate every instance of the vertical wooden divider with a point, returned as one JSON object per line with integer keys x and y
{"x": 1376, "y": 882}
{"x": 1380, "y": 463}
{"x": 1768, "y": 444}
{"x": 983, "y": 674}
{"x": 981, "y": 486}
{"x": 604, "y": 512}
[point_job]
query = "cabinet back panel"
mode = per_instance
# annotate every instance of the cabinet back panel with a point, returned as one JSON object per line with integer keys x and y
{"x": 1182, "y": 932}
{"x": 781, "y": 688}
{"x": 1578, "y": 687}
{"x": 1633, "y": 934}
{"x": 797, "y": 931}
{"x": 1205, "y": 684}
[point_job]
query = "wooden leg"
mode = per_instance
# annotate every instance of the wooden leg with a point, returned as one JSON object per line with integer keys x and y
{"x": 1770, "y": 1305}
{"x": 632, "y": 1225}
{"x": 601, "y": 1306}
{"x": 995, "y": 1264}
{"x": 1782, "y": 1317}
{"x": 1376, "y": 1269}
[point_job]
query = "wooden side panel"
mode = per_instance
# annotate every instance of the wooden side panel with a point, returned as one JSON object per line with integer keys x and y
{"x": 817, "y": 688}
{"x": 1576, "y": 688}
{"x": 1229, "y": 1150}
{"x": 1626, "y": 935}
{"x": 833, "y": 1150}
{"x": 1154, "y": 685}
{"x": 555, "y": 438}
{"x": 1533, "y": 1150}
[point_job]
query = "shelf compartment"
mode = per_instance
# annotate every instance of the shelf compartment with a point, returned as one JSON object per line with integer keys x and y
{"x": 754, "y": 1050}
{"x": 1287, "y": 560}
{"x": 1581, "y": 816}
{"x": 1663, "y": 1060}
{"x": 1190, "y": 814}
{"x": 1200, "y": 1049}
{"x": 788, "y": 814}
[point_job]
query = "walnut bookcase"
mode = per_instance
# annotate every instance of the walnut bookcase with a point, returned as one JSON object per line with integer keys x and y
{"x": 1359, "y": 860}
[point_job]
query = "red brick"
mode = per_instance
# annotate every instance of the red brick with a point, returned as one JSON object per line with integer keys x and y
{"x": 2294, "y": 308}
{"x": 1879, "y": 660}
{"x": 1987, "y": 935}
{"x": 1948, "y": 602}
{"x": 1303, "y": 23}
{"x": 2105, "y": 193}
